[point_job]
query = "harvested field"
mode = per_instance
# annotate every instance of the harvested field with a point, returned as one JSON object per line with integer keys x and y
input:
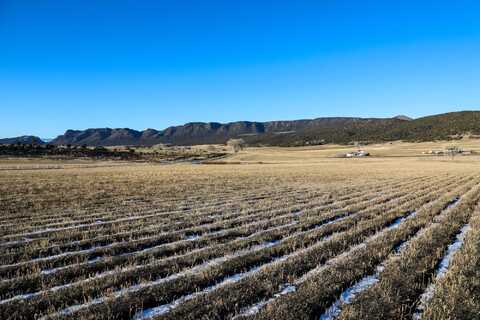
{"x": 394, "y": 238}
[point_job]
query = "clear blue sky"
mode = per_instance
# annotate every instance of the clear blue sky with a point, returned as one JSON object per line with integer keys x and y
{"x": 140, "y": 64}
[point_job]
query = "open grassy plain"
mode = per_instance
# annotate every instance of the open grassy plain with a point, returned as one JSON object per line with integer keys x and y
{"x": 274, "y": 234}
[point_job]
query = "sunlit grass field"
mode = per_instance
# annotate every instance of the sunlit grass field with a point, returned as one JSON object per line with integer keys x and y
{"x": 268, "y": 233}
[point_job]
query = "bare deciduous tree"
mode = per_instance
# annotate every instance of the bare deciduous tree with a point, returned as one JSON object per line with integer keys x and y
{"x": 236, "y": 144}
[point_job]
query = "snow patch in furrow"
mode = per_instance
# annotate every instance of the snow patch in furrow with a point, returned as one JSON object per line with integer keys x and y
{"x": 114, "y": 244}
{"x": 350, "y": 293}
{"x": 230, "y": 279}
{"x": 97, "y": 223}
{"x": 135, "y": 288}
{"x": 109, "y": 273}
{"x": 347, "y": 296}
{"x": 15, "y": 242}
{"x": 86, "y": 225}
{"x": 193, "y": 237}
{"x": 254, "y": 309}
{"x": 360, "y": 286}
{"x": 298, "y": 213}
{"x": 157, "y": 311}
{"x": 113, "y": 272}
{"x": 152, "y": 249}
{"x": 57, "y": 256}
{"x": 452, "y": 204}
{"x": 441, "y": 271}
{"x": 57, "y": 288}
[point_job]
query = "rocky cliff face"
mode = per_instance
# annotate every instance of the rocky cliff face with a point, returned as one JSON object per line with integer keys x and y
{"x": 211, "y": 132}
{"x": 281, "y": 133}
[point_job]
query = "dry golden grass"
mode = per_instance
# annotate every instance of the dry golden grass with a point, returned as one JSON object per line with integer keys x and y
{"x": 318, "y": 153}
{"x": 104, "y": 227}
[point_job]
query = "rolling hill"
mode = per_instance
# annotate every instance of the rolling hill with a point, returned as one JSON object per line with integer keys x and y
{"x": 22, "y": 140}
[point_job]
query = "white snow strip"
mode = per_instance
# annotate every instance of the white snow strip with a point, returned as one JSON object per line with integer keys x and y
{"x": 11, "y": 243}
{"x": 196, "y": 269}
{"x": 108, "y": 273}
{"x": 139, "y": 252}
{"x": 128, "y": 269}
{"x": 361, "y": 286}
{"x": 333, "y": 312}
{"x": 117, "y": 244}
{"x": 128, "y": 218}
{"x": 286, "y": 289}
{"x": 233, "y": 218}
{"x": 441, "y": 271}
{"x": 157, "y": 311}
{"x": 124, "y": 219}
{"x": 349, "y": 294}
{"x": 97, "y": 223}
{"x": 57, "y": 256}
{"x": 139, "y": 287}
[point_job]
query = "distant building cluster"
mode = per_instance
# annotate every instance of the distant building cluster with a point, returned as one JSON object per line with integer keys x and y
{"x": 449, "y": 151}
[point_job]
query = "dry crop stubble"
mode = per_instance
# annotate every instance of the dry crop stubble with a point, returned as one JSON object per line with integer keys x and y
{"x": 84, "y": 234}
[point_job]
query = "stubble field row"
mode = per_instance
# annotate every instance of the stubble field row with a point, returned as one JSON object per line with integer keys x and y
{"x": 208, "y": 243}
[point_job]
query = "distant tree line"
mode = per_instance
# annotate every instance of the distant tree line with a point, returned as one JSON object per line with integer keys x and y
{"x": 69, "y": 151}
{"x": 99, "y": 153}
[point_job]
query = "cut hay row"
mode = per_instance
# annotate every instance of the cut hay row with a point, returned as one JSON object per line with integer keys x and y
{"x": 408, "y": 275}
{"x": 117, "y": 220}
{"x": 142, "y": 231}
{"x": 164, "y": 204}
{"x": 64, "y": 294}
{"x": 189, "y": 206}
{"x": 313, "y": 297}
{"x": 284, "y": 193}
{"x": 215, "y": 252}
{"x": 35, "y": 225}
{"x": 179, "y": 234}
{"x": 349, "y": 294}
{"x": 132, "y": 223}
{"x": 440, "y": 271}
{"x": 263, "y": 283}
{"x": 186, "y": 205}
{"x": 309, "y": 245}
{"x": 456, "y": 293}
{"x": 10, "y": 286}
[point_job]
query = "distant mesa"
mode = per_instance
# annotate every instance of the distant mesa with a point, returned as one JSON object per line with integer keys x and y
{"x": 305, "y": 132}
{"x": 292, "y": 132}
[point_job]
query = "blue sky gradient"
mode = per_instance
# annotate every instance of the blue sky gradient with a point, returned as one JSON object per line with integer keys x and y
{"x": 152, "y": 64}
